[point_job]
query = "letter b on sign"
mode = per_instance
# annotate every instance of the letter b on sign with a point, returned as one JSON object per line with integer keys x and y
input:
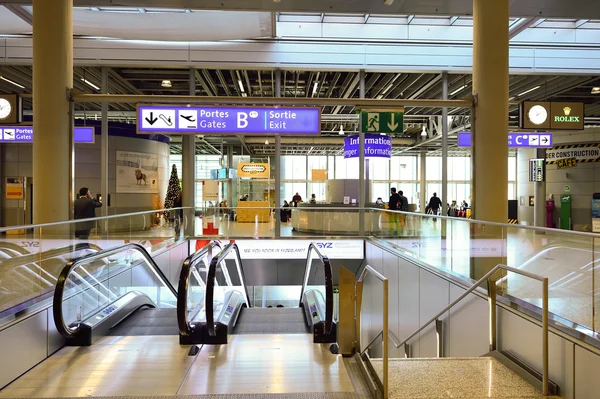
{"x": 242, "y": 120}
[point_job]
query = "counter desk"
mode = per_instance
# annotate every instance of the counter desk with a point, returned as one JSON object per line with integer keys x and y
{"x": 335, "y": 219}
{"x": 249, "y": 215}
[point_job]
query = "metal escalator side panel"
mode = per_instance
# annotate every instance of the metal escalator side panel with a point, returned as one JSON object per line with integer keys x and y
{"x": 329, "y": 301}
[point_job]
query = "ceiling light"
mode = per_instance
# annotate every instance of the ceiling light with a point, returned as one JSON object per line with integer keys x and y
{"x": 276, "y": 1}
{"x": 267, "y": 142}
{"x": 244, "y": 95}
{"x": 166, "y": 83}
{"x": 18, "y": 85}
{"x": 87, "y": 82}
{"x": 241, "y": 86}
{"x": 379, "y": 97}
{"x": 596, "y": 90}
{"x": 388, "y": 88}
{"x": 388, "y": 2}
{"x": 341, "y": 130}
{"x": 315, "y": 87}
{"x": 424, "y": 132}
{"x": 528, "y": 91}
{"x": 458, "y": 90}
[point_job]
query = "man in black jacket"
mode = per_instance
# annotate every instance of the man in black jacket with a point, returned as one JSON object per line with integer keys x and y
{"x": 394, "y": 204}
{"x": 85, "y": 208}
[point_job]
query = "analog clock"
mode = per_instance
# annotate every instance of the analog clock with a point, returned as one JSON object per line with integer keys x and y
{"x": 5, "y": 108}
{"x": 538, "y": 114}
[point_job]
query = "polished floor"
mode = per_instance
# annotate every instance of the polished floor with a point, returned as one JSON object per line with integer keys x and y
{"x": 474, "y": 378}
{"x": 158, "y": 365}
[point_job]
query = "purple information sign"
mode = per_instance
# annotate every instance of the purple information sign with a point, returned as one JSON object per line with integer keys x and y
{"x": 376, "y": 145}
{"x": 228, "y": 120}
{"x": 24, "y": 134}
{"x": 532, "y": 140}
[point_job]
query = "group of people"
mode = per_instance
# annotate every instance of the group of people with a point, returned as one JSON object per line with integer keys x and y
{"x": 286, "y": 213}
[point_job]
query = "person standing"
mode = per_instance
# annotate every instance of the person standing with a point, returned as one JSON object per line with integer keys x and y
{"x": 296, "y": 199}
{"x": 435, "y": 205}
{"x": 85, "y": 208}
{"x": 394, "y": 204}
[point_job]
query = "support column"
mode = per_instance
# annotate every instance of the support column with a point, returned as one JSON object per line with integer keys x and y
{"x": 278, "y": 201}
{"x": 423, "y": 180}
{"x": 539, "y": 209}
{"x": 104, "y": 148}
{"x": 444, "y": 193}
{"x": 490, "y": 127}
{"x": 362, "y": 187}
{"x": 52, "y": 120}
{"x": 188, "y": 170}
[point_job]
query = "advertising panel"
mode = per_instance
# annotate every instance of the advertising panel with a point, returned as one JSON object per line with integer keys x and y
{"x": 14, "y": 188}
{"x": 210, "y": 190}
{"x": 253, "y": 170}
{"x": 319, "y": 174}
{"x": 137, "y": 172}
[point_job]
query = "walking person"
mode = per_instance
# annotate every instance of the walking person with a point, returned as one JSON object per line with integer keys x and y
{"x": 85, "y": 208}
{"x": 435, "y": 204}
{"x": 394, "y": 204}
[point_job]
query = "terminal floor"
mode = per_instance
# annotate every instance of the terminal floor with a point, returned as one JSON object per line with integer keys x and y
{"x": 159, "y": 366}
{"x": 474, "y": 378}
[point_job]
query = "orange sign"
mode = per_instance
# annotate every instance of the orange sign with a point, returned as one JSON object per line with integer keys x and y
{"x": 319, "y": 174}
{"x": 254, "y": 170}
{"x": 14, "y": 188}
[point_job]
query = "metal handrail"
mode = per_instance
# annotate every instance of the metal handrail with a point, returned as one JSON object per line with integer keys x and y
{"x": 189, "y": 265}
{"x": 59, "y": 291}
{"x": 328, "y": 284}
{"x": 492, "y": 299}
{"x": 210, "y": 283}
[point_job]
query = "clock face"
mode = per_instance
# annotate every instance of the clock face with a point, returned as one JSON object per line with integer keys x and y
{"x": 5, "y": 108}
{"x": 538, "y": 114}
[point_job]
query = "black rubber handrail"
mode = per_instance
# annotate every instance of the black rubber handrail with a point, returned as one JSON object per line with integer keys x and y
{"x": 59, "y": 291}
{"x": 190, "y": 264}
{"x": 210, "y": 284}
{"x": 328, "y": 284}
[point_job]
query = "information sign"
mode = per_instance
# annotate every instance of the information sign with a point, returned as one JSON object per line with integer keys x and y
{"x": 537, "y": 170}
{"x": 227, "y": 120}
{"x": 210, "y": 190}
{"x": 24, "y": 134}
{"x": 382, "y": 121}
{"x": 253, "y": 170}
{"x": 532, "y": 140}
{"x": 14, "y": 188}
{"x": 566, "y": 163}
{"x": 376, "y": 146}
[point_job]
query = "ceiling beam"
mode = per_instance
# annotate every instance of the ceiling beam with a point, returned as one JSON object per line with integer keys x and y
{"x": 203, "y": 83}
{"x": 453, "y": 20}
{"x": 21, "y": 13}
{"x": 520, "y": 26}
{"x": 410, "y": 19}
{"x": 367, "y": 16}
{"x": 580, "y": 22}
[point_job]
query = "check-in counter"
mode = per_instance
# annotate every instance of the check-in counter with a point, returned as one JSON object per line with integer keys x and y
{"x": 248, "y": 210}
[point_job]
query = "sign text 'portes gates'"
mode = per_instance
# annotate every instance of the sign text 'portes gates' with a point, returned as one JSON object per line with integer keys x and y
{"x": 227, "y": 120}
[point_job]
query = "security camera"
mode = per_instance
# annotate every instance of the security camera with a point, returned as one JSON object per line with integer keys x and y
{"x": 388, "y": 2}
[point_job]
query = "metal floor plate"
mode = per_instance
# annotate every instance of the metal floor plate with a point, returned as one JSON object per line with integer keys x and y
{"x": 271, "y": 321}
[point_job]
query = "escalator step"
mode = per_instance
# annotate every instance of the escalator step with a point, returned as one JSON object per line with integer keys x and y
{"x": 148, "y": 322}
{"x": 271, "y": 321}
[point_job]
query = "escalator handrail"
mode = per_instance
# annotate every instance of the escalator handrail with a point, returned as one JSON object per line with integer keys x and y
{"x": 59, "y": 291}
{"x": 210, "y": 284}
{"x": 189, "y": 264}
{"x": 328, "y": 283}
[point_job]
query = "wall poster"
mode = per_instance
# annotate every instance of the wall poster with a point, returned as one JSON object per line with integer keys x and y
{"x": 137, "y": 172}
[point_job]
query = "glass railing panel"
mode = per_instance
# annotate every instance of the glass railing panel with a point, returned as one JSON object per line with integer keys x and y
{"x": 228, "y": 277}
{"x": 372, "y": 322}
{"x": 595, "y": 293}
{"x": 197, "y": 292}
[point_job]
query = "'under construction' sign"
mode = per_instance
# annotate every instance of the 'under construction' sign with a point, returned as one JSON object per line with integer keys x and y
{"x": 582, "y": 153}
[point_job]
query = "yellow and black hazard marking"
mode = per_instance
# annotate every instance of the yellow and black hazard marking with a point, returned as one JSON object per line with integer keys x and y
{"x": 582, "y": 153}
{"x": 513, "y": 221}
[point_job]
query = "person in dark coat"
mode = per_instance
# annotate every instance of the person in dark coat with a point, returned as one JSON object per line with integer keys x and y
{"x": 85, "y": 208}
{"x": 285, "y": 212}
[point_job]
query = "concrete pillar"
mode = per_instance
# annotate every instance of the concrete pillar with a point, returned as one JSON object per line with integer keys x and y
{"x": 362, "y": 187}
{"x": 104, "y": 149}
{"x": 188, "y": 169}
{"x": 490, "y": 89}
{"x": 539, "y": 209}
{"x": 52, "y": 120}
{"x": 423, "y": 180}
{"x": 278, "y": 202}
{"x": 444, "y": 193}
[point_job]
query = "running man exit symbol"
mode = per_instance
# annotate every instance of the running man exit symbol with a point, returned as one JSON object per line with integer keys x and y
{"x": 373, "y": 125}
{"x": 385, "y": 122}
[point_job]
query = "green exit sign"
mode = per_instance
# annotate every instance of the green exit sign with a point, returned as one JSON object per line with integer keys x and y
{"x": 388, "y": 122}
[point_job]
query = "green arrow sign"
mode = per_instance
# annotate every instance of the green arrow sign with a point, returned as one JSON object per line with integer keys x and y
{"x": 382, "y": 121}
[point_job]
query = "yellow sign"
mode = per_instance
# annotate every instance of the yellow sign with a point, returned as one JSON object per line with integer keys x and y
{"x": 254, "y": 170}
{"x": 566, "y": 163}
{"x": 319, "y": 174}
{"x": 14, "y": 188}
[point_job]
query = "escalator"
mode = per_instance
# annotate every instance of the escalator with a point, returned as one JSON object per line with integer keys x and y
{"x": 117, "y": 292}
{"x": 213, "y": 308}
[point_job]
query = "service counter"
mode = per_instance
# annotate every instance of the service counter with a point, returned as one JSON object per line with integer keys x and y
{"x": 249, "y": 215}
{"x": 335, "y": 219}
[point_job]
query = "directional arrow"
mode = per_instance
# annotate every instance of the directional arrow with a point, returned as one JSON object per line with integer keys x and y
{"x": 545, "y": 140}
{"x": 393, "y": 126}
{"x": 152, "y": 119}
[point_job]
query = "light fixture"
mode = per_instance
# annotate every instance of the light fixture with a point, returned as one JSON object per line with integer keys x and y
{"x": 596, "y": 90}
{"x": 387, "y": 88}
{"x": 341, "y": 130}
{"x": 379, "y": 97}
{"x": 87, "y": 82}
{"x": 388, "y": 2}
{"x": 424, "y": 132}
{"x": 267, "y": 142}
{"x": 11, "y": 82}
{"x": 528, "y": 91}
{"x": 276, "y": 1}
{"x": 244, "y": 95}
{"x": 458, "y": 90}
{"x": 166, "y": 83}
{"x": 241, "y": 86}
{"x": 315, "y": 87}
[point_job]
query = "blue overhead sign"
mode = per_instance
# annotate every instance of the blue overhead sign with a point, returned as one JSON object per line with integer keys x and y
{"x": 24, "y": 134}
{"x": 227, "y": 120}
{"x": 531, "y": 140}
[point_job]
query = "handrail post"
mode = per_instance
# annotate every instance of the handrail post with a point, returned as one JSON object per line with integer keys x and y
{"x": 491, "y": 288}
{"x": 545, "y": 376}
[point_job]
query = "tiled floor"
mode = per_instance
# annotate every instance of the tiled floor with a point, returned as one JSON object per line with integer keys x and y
{"x": 473, "y": 378}
{"x": 158, "y": 365}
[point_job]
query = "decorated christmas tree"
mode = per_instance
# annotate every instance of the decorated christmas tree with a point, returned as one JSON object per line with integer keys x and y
{"x": 172, "y": 191}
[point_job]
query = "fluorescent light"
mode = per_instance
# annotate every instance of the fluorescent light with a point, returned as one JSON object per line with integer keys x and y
{"x": 458, "y": 90}
{"x": 87, "y": 82}
{"x": 166, "y": 83}
{"x": 387, "y": 88}
{"x": 267, "y": 142}
{"x": 11, "y": 82}
{"x": 244, "y": 95}
{"x": 315, "y": 87}
{"x": 379, "y": 97}
{"x": 341, "y": 130}
{"x": 424, "y": 132}
{"x": 528, "y": 91}
{"x": 241, "y": 85}
{"x": 596, "y": 90}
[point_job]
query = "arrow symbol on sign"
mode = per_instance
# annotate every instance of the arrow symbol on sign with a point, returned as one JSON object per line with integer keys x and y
{"x": 545, "y": 140}
{"x": 152, "y": 119}
{"x": 393, "y": 126}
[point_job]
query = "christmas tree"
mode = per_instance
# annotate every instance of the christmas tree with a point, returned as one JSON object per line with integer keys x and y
{"x": 172, "y": 191}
